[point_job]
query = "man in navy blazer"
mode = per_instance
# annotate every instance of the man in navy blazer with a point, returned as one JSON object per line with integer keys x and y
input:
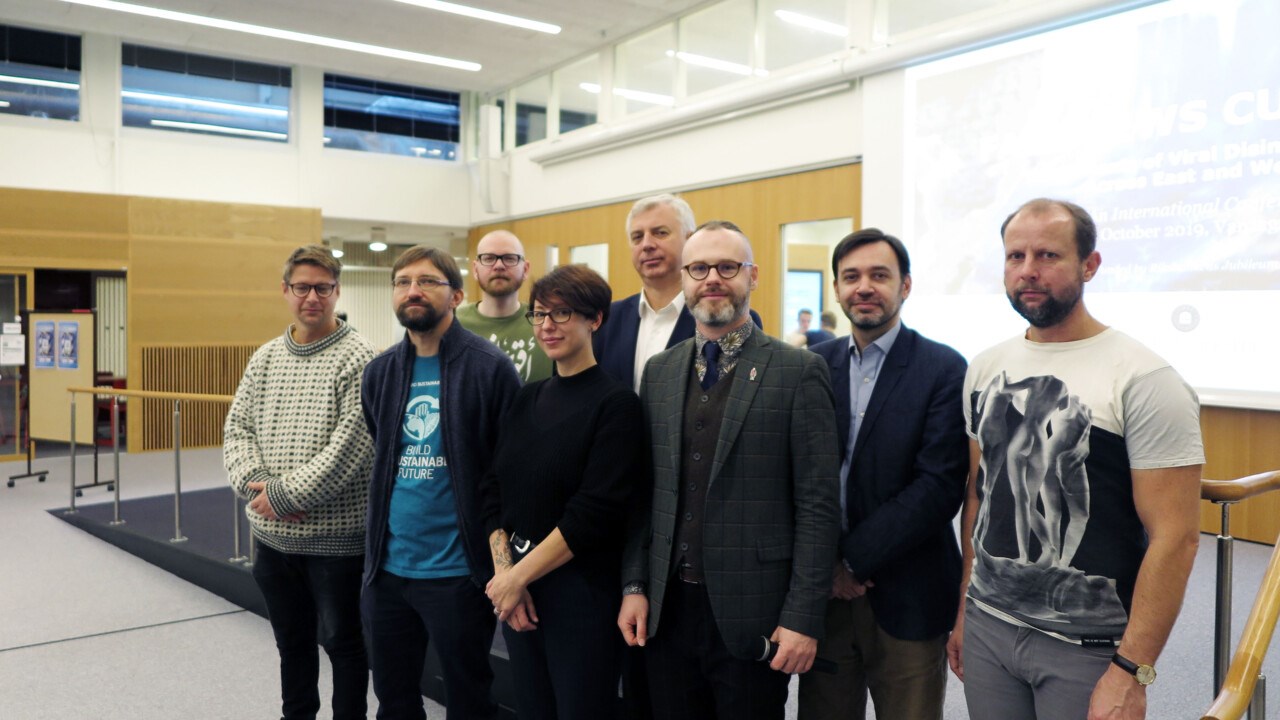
{"x": 654, "y": 319}
{"x": 904, "y": 459}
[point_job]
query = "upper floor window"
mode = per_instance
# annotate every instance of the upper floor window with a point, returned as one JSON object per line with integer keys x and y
{"x": 375, "y": 116}
{"x": 204, "y": 94}
{"x": 39, "y": 73}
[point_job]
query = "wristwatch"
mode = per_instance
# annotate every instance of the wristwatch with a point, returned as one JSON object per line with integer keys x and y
{"x": 1144, "y": 674}
{"x": 634, "y": 588}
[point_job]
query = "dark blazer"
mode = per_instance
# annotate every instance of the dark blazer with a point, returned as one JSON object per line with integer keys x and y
{"x": 615, "y": 343}
{"x": 906, "y": 483}
{"x": 772, "y": 514}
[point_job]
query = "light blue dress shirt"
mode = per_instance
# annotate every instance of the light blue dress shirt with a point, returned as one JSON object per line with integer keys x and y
{"x": 864, "y": 368}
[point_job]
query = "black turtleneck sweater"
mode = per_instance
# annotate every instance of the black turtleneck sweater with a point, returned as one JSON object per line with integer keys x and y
{"x": 571, "y": 455}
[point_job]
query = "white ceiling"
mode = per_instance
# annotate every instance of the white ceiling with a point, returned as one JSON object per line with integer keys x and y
{"x": 507, "y": 54}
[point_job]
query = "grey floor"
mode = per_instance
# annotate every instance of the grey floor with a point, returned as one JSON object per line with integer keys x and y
{"x": 89, "y": 631}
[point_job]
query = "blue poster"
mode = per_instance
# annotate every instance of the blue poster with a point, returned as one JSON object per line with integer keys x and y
{"x": 69, "y": 345}
{"x": 44, "y": 344}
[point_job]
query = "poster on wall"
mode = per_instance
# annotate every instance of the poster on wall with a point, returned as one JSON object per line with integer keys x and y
{"x": 44, "y": 344}
{"x": 69, "y": 345}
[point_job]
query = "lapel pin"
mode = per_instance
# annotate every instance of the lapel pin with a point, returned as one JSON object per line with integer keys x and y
{"x": 752, "y": 377}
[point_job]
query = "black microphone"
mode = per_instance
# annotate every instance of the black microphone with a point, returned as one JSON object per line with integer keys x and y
{"x": 821, "y": 665}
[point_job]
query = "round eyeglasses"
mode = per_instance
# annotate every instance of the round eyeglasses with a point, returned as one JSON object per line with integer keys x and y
{"x": 727, "y": 270}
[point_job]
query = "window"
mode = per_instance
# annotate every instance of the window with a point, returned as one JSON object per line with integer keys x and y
{"x": 579, "y": 93}
{"x": 202, "y": 94}
{"x": 373, "y": 116}
{"x": 800, "y": 30}
{"x": 39, "y": 73}
{"x": 715, "y": 46}
{"x": 643, "y": 73}
{"x": 531, "y": 110}
{"x": 903, "y": 17}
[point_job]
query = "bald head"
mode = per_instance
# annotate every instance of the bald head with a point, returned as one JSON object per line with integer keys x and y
{"x": 715, "y": 250}
{"x": 500, "y": 266}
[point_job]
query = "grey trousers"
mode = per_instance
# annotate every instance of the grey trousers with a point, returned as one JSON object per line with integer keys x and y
{"x": 1012, "y": 672}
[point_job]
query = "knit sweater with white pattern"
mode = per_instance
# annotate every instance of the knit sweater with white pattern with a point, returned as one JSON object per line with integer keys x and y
{"x": 296, "y": 424}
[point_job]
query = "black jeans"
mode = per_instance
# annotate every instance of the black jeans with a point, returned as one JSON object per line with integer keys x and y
{"x": 315, "y": 599}
{"x": 567, "y": 669}
{"x": 401, "y": 615}
{"x": 693, "y": 676}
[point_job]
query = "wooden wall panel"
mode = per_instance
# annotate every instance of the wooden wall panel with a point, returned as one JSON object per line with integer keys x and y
{"x": 759, "y": 207}
{"x": 1240, "y": 443}
{"x": 210, "y": 369}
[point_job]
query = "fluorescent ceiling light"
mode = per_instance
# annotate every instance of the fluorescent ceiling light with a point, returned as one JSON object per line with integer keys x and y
{"x": 4, "y": 103}
{"x": 717, "y": 64}
{"x": 637, "y": 95}
{"x": 223, "y": 129}
{"x": 337, "y": 253}
{"x": 212, "y": 104}
{"x": 377, "y": 246}
{"x": 489, "y": 15}
{"x": 278, "y": 33}
{"x": 38, "y": 82}
{"x": 811, "y": 23}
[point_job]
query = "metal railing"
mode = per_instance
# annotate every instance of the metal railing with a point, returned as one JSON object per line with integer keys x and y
{"x": 1238, "y": 683}
{"x": 178, "y": 399}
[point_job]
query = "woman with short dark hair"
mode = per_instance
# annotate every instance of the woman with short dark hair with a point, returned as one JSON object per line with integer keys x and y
{"x": 570, "y": 461}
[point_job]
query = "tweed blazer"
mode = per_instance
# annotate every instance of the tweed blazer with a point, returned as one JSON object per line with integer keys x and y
{"x": 772, "y": 515}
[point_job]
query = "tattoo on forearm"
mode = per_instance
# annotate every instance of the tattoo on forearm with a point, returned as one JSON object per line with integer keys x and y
{"x": 501, "y": 550}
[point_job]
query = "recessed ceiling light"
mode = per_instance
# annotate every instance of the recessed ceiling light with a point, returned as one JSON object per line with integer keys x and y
{"x": 717, "y": 64}
{"x": 637, "y": 95}
{"x": 489, "y": 15}
{"x": 38, "y": 82}
{"x": 221, "y": 129}
{"x": 278, "y": 33}
{"x": 812, "y": 23}
{"x": 337, "y": 253}
{"x": 377, "y": 246}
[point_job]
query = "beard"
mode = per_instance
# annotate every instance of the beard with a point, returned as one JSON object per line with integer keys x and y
{"x": 426, "y": 321}
{"x": 1051, "y": 311}
{"x": 500, "y": 286}
{"x": 726, "y": 314}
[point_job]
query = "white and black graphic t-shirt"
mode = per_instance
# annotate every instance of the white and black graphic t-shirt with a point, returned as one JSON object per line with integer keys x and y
{"x": 1057, "y": 539}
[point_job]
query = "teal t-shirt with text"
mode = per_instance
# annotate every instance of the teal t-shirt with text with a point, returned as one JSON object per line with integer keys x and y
{"x": 423, "y": 539}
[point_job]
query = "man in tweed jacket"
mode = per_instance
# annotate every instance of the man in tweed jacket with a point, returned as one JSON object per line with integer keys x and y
{"x": 736, "y": 549}
{"x": 295, "y": 446}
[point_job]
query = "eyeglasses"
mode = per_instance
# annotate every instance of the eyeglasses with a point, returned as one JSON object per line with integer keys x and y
{"x": 510, "y": 259}
{"x": 727, "y": 270}
{"x": 304, "y": 289}
{"x": 424, "y": 283}
{"x": 559, "y": 315}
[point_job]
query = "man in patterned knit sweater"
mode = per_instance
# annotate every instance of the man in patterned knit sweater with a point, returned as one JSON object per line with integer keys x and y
{"x": 295, "y": 446}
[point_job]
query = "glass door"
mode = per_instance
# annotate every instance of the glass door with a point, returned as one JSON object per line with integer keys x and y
{"x": 16, "y": 296}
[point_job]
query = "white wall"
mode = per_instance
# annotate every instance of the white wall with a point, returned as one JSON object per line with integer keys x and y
{"x": 98, "y": 155}
{"x": 754, "y": 144}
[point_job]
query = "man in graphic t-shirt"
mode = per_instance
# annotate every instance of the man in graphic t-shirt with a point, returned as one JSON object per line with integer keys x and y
{"x": 500, "y": 269}
{"x": 1082, "y": 516}
{"x": 432, "y": 404}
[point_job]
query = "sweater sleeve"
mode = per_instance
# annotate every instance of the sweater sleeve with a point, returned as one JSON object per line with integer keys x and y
{"x": 611, "y": 476}
{"x": 345, "y": 459}
{"x": 241, "y": 453}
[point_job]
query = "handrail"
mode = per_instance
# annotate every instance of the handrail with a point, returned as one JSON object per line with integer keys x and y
{"x": 152, "y": 394}
{"x": 1240, "y": 488}
{"x": 1237, "y": 690}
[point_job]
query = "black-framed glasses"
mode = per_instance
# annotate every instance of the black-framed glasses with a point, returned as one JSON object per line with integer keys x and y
{"x": 304, "y": 289}
{"x": 559, "y": 315}
{"x": 510, "y": 259}
{"x": 424, "y": 283}
{"x": 727, "y": 270}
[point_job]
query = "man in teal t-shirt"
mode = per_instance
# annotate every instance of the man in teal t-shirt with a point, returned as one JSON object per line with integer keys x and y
{"x": 500, "y": 268}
